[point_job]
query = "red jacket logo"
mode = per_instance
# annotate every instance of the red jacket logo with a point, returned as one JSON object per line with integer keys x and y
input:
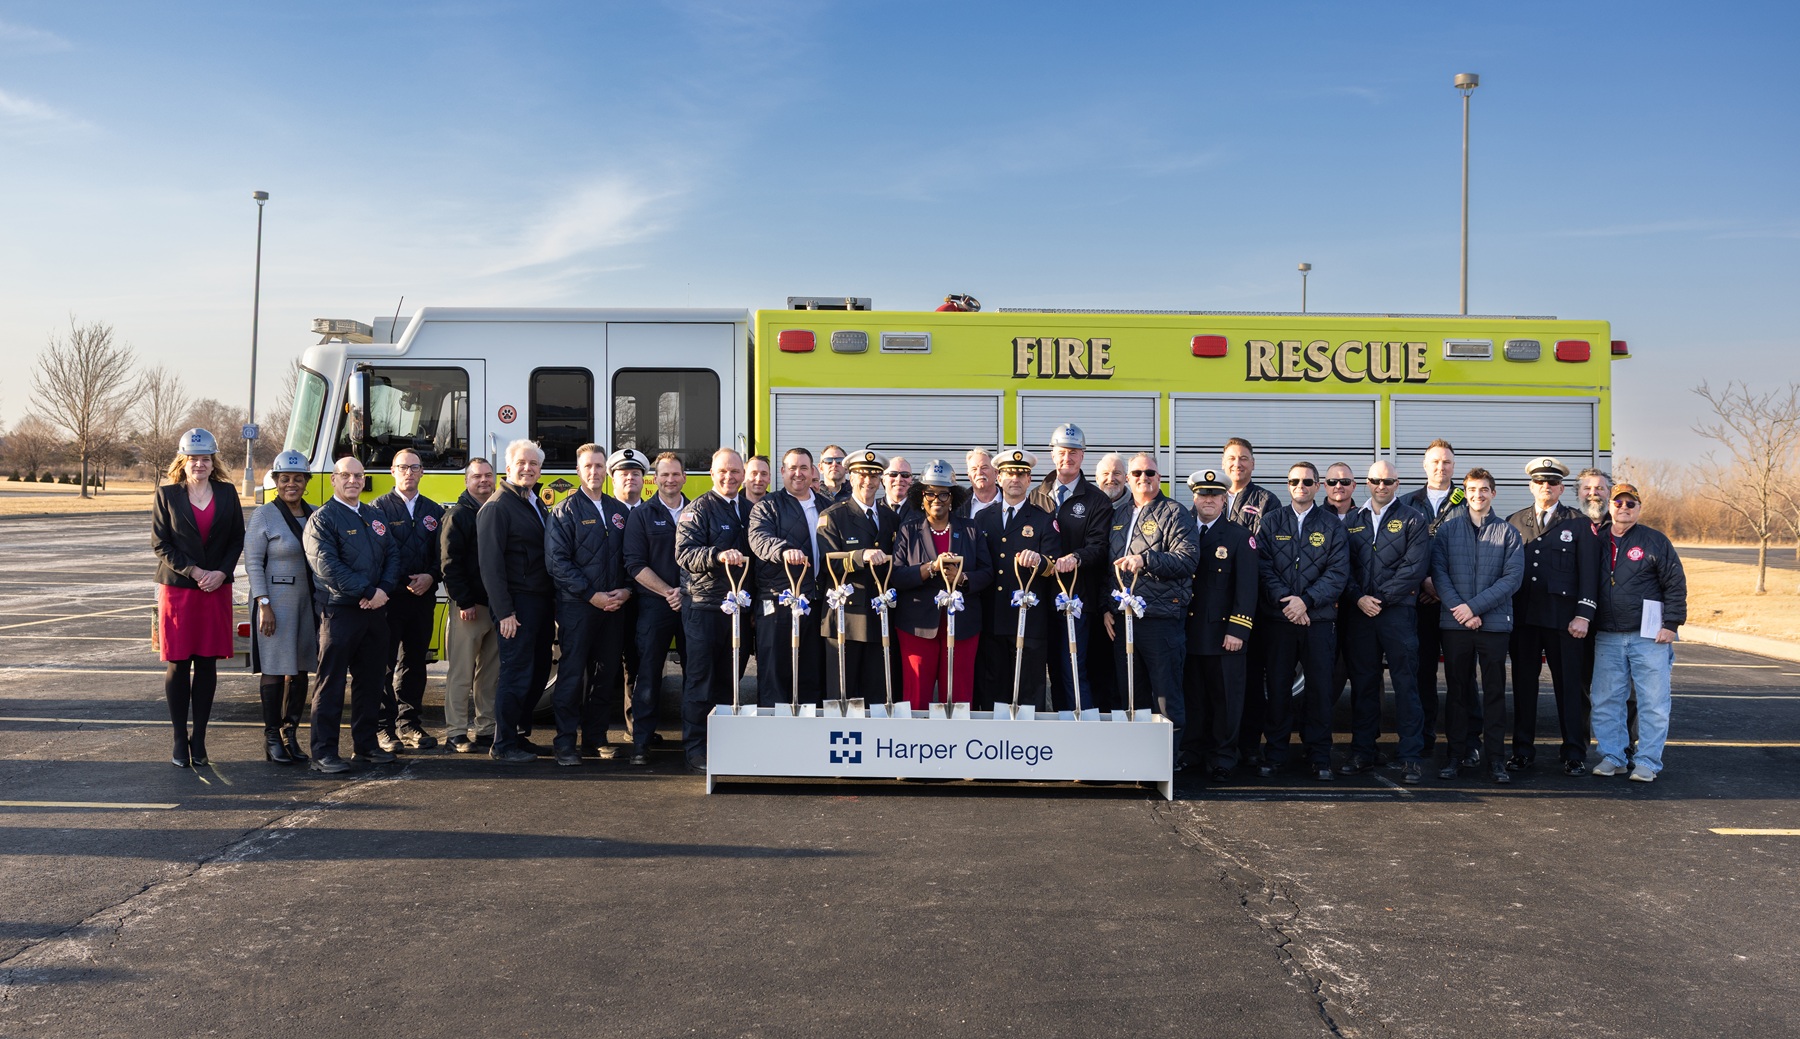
{"x": 1635, "y": 553}
{"x": 378, "y": 527}
{"x": 429, "y": 522}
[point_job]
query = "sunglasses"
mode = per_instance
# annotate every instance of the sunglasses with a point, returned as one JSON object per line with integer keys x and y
{"x": 839, "y": 460}
{"x": 1551, "y": 481}
{"x": 902, "y": 474}
{"x": 1141, "y": 473}
{"x": 1374, "y": 482}
{"x": 1340, "y": 483}
{"x": 1626, "y": 503}
{"x": 1301, "y": 483}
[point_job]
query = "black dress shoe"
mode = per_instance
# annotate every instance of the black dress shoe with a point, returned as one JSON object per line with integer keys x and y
{"x": 179, "y": 758}
{"x": 697, "y": 763}
{"x": 1356, "y": 766}
{"x": 1473, "y": 759}
{"x": 372, "y": 757}
{"x": 197, "y": 753}
{"x": 1219, "y": 775}
{"x": 1517, "y": 763}
{"x": 460, "y": 743}
{"x": 484, "y": 743}
{"x": 567, "y": 758}
{"x": 1324, "y": 775}
{"x": 640, "y": 759}
{"x": 1502, "y": 776}
{"x": 329, "y": 763}
{"x": 515, "y": 756}
{"x": 1411, "y": 773}
{"x": 1448, "y": 771}
{"x": 535, "y": 748}
{"x": 1575, "y": 768}
{"x": 276, "y": 751}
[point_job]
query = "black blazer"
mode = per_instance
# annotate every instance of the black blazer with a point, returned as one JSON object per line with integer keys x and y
{"x": 918, "y": 612}
{"x": 1032, "y": 528}
{"x": 175, "y": 536}
{"x": 1225, "y": 589}
{"x": 845, "y": 539}
{"x": 509, "y": 538}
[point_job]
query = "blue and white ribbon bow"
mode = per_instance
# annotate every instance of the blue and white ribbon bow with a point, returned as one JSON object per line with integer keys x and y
{"x": 952, "y": 602}
{"x": 884, "y": 602}
{"x": 839, "y": 597}
{"x": 1069, "y": 604}
{"x": 1024, "y": 599}
{"x": 734, "y": 601}
{"x": 797, "y": 603}
{"x": 1128, "y": 601}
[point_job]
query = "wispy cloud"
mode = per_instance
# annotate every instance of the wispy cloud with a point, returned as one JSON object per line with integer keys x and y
{"x": 19, "y": 113}
{"x": 25, "y": 38}
{"x": 603, "y": 213}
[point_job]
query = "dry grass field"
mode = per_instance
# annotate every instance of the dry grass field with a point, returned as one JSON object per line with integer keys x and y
{"x": 1721, "y": 595}
{"x": 40, "y": 499}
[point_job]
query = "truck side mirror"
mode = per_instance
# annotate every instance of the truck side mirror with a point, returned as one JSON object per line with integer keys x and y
{"x": 356, "y": 406}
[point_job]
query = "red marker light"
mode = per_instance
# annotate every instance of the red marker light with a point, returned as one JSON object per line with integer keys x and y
{"x": 1572, "y": 349}
{"x": 1620, "y": 348}
{"x": 243, "y": 629}
{"x": 1209, "y": 346}
{"x": 795, "y": 341}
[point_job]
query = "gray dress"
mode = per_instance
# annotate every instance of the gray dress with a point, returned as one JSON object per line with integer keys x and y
{"x": 276, "y": 561}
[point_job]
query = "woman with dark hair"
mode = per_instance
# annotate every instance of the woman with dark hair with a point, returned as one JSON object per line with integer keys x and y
{"x": 284, "y": 629}
{"x": 197, "y": 533}
{"x": 934, "y": 550}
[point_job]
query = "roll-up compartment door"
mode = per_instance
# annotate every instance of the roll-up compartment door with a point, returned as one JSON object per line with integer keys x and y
{"x": 1122, "y": 422}
{"x": 1284, "y": 429}
{"x": 1499, "y": 435}
{"x": 923, "y": 424}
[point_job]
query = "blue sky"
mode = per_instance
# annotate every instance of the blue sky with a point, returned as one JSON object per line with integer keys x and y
{"x": 1632, "y": 162}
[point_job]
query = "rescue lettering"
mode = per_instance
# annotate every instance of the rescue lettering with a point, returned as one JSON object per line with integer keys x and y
{"x": 1353, "y": 360}
{"x": 1055, "y": 358}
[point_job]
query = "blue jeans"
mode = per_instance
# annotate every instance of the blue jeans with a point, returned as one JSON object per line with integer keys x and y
{"x": 1623, "y": 661}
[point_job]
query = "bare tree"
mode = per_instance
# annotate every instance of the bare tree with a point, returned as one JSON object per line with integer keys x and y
{"x": 162, "y": 403}
{"x": 32, "y": 445}
{"x": 81, "y": 381}
{"x": 1761, "y": 433}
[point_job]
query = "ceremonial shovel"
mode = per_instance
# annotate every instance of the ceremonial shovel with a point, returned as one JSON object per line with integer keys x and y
{"x": 798, "y": 608}
{"x": 736, "y": 601}
{"x": 1024, "y": 601}
{"x": 950, "y": 569}
{"x": 837, "y": 598}
{"x": 1131, "y": 606}
{"x": 883, "y": 602}
{"x": 1070, "y": 605}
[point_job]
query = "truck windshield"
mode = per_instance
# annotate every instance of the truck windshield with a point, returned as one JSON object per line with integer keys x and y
{"x": 421, "y": 409}
{"x": 309, "y": 406}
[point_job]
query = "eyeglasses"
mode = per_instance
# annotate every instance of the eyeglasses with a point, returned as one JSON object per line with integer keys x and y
{"x": 1301, "y": 483}
{"x": 1374, "y": 482}
{"x": 415, "y": 468}
{"x": 1550, "y": 481}
{"x": 936, "y": 494}
{"x": 1141, "y": 473}
{"x": 902, "y": 474}
{"x": 1340, "y": 483}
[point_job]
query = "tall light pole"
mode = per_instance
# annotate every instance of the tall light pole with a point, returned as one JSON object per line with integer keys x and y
{"x": 250, "y": 430}
{"x": 1303, "y": 269}
{"x": 1466, "y": 82}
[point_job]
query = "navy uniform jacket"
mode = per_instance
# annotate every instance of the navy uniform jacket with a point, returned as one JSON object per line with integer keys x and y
{"x": 1084, "y": 522}
{"x": 650, "y": 542}
{"x": 845, "y": 538}
{"x": 709, "y": 526}
{"x": 415, "y": 535}
{"x": 350, "y": 553}
{"x": 1249, "y": 508}
{"x": 1307, "y": 558}
{"x": 1031, "y": 529}
{"x": 510, "y": 532}
{"x": 584, "y": 547}
{"x": 459, "y": 554}
{"x": 918, "y": 610}
{"x": 1562, "y": 568}
{"x": 1643, "y": 565}
{"x": 175, "y": 535}
{"x": 1225, "y": 587}
{"x": 778, "y": 523}
{"x": 1164, "y": 534}
{"x": 1388, "y": 564}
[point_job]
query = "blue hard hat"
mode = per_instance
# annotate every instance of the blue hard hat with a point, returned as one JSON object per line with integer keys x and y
{"x": 290, "y": 462}
{"x": 1069, "y": 435}
{"x": 197, "y": 441}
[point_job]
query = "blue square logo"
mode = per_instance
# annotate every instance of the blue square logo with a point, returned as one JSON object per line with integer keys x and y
{"x": 846, "y": 740}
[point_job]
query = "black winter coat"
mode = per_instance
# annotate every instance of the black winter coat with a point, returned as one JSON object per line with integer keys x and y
{"x": 1165, "y": 535}
{"x": 845, "y": 539}
{"x": 415, "y": 535}
{"x": 351, "y": 553}
{"x": 1031, "y": 529}
{"x": 1390, "y": 563}
{"x": 459, "y": 555}
{"x": 710, "y": 526}
{"x": 1225, "y": 589}
{"x": 1304, "y": 557}
{"x": 650, "y": 542}
{"x": 510, "y": 530}
{"x": 584, "y": 547}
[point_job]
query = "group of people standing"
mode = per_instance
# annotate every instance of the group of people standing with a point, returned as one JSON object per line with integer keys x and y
{"x": 858, "y": 577}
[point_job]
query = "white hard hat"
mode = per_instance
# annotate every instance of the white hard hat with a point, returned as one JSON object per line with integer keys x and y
{"x": 197, "y": 441}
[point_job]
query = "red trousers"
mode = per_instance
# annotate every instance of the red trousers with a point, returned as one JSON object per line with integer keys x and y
{"x": 922, "y": 665}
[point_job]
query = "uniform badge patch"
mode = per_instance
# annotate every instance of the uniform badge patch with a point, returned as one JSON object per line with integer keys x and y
{"x": 1393, "y": 526}
{"x": 1078, "y": 510}
{"x": 619, "y": 521}
{"x": 1253, "y": 541}
{"x": 429, "y": 522}
{"x": 1568, "y": 536}
{"x": 1148, "y": 528}
{"x": 1221, "y": 552}
{"x": 1316, "y": 539}
{"x": 380, "y": 529}
{"x": 1026, "y": 531}
{"x": 1635, "y": 554}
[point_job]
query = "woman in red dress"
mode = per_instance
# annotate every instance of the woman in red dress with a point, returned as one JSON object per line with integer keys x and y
{"x": 197, "y": 532}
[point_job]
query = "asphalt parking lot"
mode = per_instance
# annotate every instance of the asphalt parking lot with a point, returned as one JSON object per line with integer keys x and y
{"x": 445, "y": 895}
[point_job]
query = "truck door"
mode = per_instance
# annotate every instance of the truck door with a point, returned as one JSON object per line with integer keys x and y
{"x": 432, "y": 407}
{"x": 671, "y": 386}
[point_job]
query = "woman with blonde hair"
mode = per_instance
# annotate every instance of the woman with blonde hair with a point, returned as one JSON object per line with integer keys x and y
{"x": 197, "y": 533}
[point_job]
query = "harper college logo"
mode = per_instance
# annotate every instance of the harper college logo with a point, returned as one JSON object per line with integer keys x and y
{"x": 846, "y": 756}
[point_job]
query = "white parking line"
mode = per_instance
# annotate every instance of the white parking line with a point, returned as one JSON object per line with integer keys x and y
{"x": 86, "y": 804}
{"x": 1748, "y": 667}
{"x": 121, "y": 721}
{"x": 75, "y": 617}
{"x": 1736, "y": 831}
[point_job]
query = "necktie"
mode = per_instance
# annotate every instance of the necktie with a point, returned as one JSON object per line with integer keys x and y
{"x": 1010, "y": 509}
{"x": 1062, "y": 495}
{"x": 872, "y": 521}
{"x": 1544, "y": 521}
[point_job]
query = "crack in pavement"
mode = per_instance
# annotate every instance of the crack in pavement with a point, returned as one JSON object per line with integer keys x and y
{"x": 1273, "y": 905}
{"x": 29, "y": 968}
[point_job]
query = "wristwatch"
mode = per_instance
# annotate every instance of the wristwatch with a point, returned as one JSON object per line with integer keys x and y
{"x": 262, "y": 600}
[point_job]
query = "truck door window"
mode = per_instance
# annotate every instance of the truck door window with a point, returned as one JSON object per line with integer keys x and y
{"x": 562, "y": 413}
{"x": 668, "y": 409}
{"x": 422, "y": 409}
{"x": 309, "y": 406}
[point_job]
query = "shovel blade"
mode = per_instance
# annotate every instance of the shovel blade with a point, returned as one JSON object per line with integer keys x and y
{"x": 1092, "y": 714}
{"x": 858, "y": 709}
{"x": 783, "y": 710}
{"x": 747, "y": 710}
{"x": 809, "y": 710}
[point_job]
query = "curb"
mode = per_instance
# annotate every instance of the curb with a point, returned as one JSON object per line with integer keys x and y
{"x": 1775, "y": 649}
